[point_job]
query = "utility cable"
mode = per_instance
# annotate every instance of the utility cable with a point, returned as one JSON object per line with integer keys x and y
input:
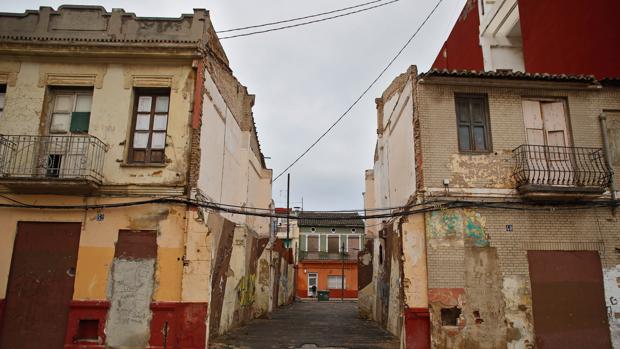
{"x": 363, "y": 93}
{"x": 297, "y": 18}
{"x": 406, "y": 210}
{"x": 309, "y": 22}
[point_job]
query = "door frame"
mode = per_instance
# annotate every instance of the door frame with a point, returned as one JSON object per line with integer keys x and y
{"x": 316, "y": 278}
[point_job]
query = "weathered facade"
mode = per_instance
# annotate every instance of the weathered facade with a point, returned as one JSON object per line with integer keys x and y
{"x": 114, "y": 130}
{"x": 510, "y": 234}
{"x": 327, "y": 256}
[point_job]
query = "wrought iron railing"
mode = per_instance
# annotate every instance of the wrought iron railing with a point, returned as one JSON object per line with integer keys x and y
{"x": 314, "y": 255}
{"x": 561, "y": 166}
{"x": 52, "y": 157}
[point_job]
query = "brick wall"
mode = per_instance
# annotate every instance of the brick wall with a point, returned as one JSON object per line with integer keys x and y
{"x": 438, "y": 123}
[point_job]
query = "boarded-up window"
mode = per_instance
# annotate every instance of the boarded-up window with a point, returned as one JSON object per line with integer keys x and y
{"x": 313, "y": 243}
{"x": 354, "y": 245}
{"x": 333, "y": 244}
{"x": 150, "y": 122}
{"x": 334, "y": 282}
{"x": 473, "y": 123}
{"x": 613, "y": 133}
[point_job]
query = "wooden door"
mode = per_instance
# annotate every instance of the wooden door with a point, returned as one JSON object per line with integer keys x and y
{"x": 40, "y": 285}
{"x": 568, "y": 300}
{"x": 548, "y": 155}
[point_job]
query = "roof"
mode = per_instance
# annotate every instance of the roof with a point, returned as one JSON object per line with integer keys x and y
{"x": 509, "y": 75}
{"x": 324, "y": 219}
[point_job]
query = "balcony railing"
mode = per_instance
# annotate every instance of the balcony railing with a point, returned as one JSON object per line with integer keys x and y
{"x": 563, "y": 168}
{"x": 314, "y": 255}
{"x": 24, "y": 157}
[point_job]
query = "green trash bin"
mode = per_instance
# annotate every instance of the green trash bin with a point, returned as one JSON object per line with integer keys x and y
{"x": 323, "y": 296}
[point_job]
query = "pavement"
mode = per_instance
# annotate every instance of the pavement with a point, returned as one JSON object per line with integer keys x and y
{"x": 306, "y": 325}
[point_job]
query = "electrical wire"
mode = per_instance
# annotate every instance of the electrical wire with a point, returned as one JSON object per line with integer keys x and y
{"x": 298, "y": 18}
{"x": 363, "y": 93}
{"x": 309, "y": 22}
{"x": 405, "y": 211}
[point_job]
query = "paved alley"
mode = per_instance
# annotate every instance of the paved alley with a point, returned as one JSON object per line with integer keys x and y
{"x": 309, "y": 325}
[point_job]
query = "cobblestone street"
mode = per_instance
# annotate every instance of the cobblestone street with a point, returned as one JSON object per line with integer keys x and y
{"x": 309, "y": 325}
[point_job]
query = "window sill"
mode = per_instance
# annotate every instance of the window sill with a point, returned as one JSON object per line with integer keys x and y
{"x": 126, "y": 164}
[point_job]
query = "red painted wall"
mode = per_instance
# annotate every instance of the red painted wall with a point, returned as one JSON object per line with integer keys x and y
{"x": 186, "y": 324}
{"x": 462, "y": 49}
{"x": 571, "y": 36}
{"x": 324, "y": 269}
{"x": 417, "y": 328}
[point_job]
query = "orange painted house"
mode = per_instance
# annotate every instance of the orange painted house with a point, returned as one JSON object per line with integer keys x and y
{"x": 328, "y": 251}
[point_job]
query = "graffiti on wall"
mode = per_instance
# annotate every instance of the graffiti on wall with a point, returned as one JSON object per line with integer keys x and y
{"x": 454, "y": 227}
{"x": 246, "y": 291}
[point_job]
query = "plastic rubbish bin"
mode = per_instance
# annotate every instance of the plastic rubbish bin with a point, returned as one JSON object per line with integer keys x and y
{"x": 323, "y": 296}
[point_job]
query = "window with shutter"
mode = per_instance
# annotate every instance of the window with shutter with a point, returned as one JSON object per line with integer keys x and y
{"x": 473, "y": 123}
{"x": 70, "y": 111}
{"x": 150, "y": 123}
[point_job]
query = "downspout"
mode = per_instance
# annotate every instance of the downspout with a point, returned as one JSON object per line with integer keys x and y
{"x": 612, "y": 181}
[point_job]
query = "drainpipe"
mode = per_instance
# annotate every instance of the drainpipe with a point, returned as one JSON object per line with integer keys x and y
{"x": 612, "y": 182}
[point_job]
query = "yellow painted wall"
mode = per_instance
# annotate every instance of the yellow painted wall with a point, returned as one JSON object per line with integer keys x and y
{"x": 98, "y": 238}
{"x": 111, "y": 111}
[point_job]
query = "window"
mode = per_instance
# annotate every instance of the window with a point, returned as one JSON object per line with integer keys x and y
{"x": 333, "y": 244}
{"x": 2, "y": 98}
{"x": 353, "y": 244}
{"x": 70, "y": 111}
{"x": 313, "y": 229}
{"x": 150, "y": 122}
{"x": 312, "y": 243}
{"x": 473, "y": 123}
{"x": 450, "y": 316}
{"x": 334, "y": 282}
{"x": 353, "y": 230}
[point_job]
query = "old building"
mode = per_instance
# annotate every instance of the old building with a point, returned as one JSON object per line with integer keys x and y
{"x": 509, "y": 234}
{"x": 551, "y": 36}
{"x": 327, "y": 256}
{"x": 116, "y": 134}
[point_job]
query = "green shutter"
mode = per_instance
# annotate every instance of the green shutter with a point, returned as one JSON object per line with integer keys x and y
{"x": 80, "y": 121}
{"x": 323, "y": 243}
{"x": 302, "y": 242}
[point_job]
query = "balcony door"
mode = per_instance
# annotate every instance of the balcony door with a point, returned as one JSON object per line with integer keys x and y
{"x": 548, "y": 142}
{"x": 64, "y": 151}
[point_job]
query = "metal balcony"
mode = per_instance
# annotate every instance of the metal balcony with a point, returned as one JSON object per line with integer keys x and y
{"x": 51, "y": 164}
{"x": 560, "y": 172}
{"x": 327, "y": 256}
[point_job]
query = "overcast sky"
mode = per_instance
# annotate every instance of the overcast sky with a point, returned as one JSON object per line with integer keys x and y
{"x": 304, "y": 78}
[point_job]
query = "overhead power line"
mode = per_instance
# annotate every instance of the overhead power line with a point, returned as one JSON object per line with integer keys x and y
{"x": 346, "y": 112}
{"x": 308, "y": 22}
{"x": 430, "y": 206}
{"x": 298, "y": 18}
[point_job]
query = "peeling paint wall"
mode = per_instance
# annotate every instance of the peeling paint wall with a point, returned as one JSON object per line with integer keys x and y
{"x": 130, "y": 314}
{"x": 611, "y": 278}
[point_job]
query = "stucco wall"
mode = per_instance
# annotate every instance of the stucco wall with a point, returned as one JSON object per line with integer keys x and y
{"x": 112, "y": 110}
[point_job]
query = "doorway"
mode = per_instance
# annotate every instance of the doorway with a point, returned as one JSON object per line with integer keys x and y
{"x": 312, "y": 284}
{"x": 568, "y": 300}
{"x": 40, "y": 286}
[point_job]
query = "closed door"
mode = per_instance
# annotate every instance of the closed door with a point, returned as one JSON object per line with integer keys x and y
{"x": 40, "y": 285}
{"x": 549, "y": 158}
{"x": 568, "y": 300}
{"x": 312, "y": 281}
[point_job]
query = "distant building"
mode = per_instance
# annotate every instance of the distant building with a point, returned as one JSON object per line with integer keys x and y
{"x": 551, "y": 36}
{"x": 326, "y": 248}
